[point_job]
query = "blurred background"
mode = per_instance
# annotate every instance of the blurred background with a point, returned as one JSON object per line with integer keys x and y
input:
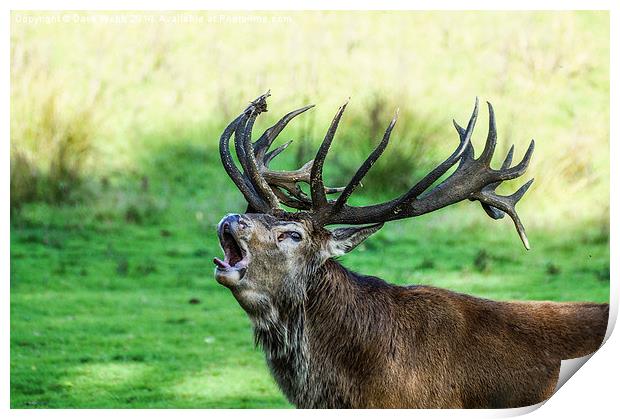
{"x": 116, "y": 183}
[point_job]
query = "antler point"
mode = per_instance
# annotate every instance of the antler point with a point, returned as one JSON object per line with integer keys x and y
{"x": 476, "y": 105}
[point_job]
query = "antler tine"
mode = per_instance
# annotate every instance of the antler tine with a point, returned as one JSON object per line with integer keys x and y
{"x": 264, "y": 142}
{"x": 521, "y": 167}
{"x": 317, "y": 187}
{"x": 254, "y": 200}
{"x": 489, "y": 147}
{"x": 249, "y": 160}
{"x": 240, "y": 134}
{"x": 295, "y": 199}
{"x": 492, "y": 212}
{"x": 506, "y": 204}
{"x": 365, "y": 167}
{"x": 255, "y": 107}
{"x": 510, "y": 173}
{"x": 508, "y": 160}
{"x": 274, "y": 153}
{"x": 289, "y": 181}
{"x": 439, "y": 171}
{"x": 506, "y": 173}
{"x": 330, "y": 190}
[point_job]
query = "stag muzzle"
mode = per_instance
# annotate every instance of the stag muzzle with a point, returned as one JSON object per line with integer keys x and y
{"x": 236, "y": 256}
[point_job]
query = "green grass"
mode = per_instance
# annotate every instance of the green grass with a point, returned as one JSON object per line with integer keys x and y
{"x": 115, "y": 126}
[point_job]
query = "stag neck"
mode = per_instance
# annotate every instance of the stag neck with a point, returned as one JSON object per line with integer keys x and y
{"x": 340, "y": 301}
{"x": 300, "y": 344}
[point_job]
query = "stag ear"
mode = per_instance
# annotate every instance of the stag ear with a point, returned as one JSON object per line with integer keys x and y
{"x": 345, "y": 239}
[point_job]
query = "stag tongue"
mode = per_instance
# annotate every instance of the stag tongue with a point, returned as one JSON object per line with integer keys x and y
{"x": 220, "y": 263}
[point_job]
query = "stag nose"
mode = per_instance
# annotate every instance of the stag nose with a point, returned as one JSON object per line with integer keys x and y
{"x": 229, "y": 220}
{"x": 232, "y": 220}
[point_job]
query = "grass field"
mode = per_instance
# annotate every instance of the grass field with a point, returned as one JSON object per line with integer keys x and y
{"x": 113, "y": 301}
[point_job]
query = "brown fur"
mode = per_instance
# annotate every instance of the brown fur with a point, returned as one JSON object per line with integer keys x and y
{"x": 428, "y": 347}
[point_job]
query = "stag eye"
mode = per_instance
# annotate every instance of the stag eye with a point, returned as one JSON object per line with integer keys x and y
{"x": 293, "y": 235}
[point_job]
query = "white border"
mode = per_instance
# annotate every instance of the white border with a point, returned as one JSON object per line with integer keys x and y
{"x": 594, "y": 389}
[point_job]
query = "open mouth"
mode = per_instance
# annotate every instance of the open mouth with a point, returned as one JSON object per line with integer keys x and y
{"x": 235, "y": 256}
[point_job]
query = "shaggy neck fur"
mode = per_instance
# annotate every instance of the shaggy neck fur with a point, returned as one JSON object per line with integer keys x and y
{"x": 308, "y": 316}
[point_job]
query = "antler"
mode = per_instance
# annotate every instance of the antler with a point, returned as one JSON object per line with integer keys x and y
{"x": 262, "y": 187}
{"x": 473, "y": 179}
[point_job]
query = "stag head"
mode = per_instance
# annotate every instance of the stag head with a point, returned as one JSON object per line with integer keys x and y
{"x": 272, "y": 253}
{"x": 268, "y": 256}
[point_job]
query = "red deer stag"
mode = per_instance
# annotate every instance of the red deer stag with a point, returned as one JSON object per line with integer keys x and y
{"x": 337, "y": 339}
